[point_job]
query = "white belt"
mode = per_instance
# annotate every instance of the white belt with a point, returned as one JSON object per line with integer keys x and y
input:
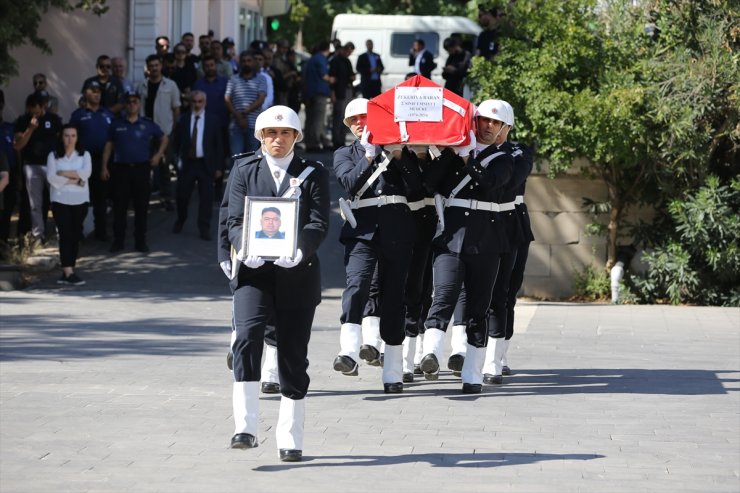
{"x": 420, "y": 204}
{"x": 379, "y": 201}
{"x": 507, "y": 206}
{"x": 519, "y": 199}
{"x": 480, "y": 206}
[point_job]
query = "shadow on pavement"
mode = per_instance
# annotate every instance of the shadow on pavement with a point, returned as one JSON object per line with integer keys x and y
{"x": 435, "y": 460}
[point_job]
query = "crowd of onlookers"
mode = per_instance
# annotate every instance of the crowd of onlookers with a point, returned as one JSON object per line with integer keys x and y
{"x": 188, "y": 115}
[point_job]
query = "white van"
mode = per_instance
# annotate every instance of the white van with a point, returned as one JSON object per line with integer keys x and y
{"x": 393, "y": 35}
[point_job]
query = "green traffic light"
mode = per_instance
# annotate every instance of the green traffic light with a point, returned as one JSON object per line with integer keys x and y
{"x": 275, "y": 24}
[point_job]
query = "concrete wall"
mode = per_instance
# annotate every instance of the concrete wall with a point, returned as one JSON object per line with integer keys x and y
{"x": 561, "y": 246}
{"x": 76, "y": 39}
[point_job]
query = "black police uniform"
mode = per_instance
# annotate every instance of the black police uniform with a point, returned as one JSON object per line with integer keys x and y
{"x": 523, "y": 161}
{"x": 498, "y": 310}
{"x": 287, "y": 296}
{"x": 383, "y": 236}
{"x": 467, "y": 249}
{"x": 223, "y": 253}
{"x": 129, "y": 175}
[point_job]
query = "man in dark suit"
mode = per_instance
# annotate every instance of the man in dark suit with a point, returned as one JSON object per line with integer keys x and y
{"x": 421, "y": 59}
{"x": 370, "y": 66}
{"x": 198, "y": 145}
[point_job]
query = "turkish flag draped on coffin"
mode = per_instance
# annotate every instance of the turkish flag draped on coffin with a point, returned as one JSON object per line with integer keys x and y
{"x": 419, "y": 112}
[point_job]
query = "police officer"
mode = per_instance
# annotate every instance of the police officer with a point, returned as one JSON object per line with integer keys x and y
{"x": 270, "y": 382}
{"x": 129, "y": 143}
{"x": 379, "y": 230}
{"x": 92, "y": 122}
{"x": 418, "y": 292}
{"x": 468, "y": 243}
{"x": 501, "y": 312}
{"x": 286, "y": 290}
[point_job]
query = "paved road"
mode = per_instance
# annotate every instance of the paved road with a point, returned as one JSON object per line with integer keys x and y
{"x": 122, "y": 386}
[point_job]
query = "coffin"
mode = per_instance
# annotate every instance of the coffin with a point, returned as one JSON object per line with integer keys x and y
{"x": 419, "y": 112}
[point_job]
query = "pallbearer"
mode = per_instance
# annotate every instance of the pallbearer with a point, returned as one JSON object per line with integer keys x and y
{"x": 469, "y": 241}
{"x": 379, "y": 230}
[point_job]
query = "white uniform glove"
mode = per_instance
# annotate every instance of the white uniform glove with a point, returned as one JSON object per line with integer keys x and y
{"x": 289, "y": 263}
{"x": 370, "y": 151}
{"x": 253, "y": 262}
{"x": 464, "y": 151}
{"x": 226, "y": 267}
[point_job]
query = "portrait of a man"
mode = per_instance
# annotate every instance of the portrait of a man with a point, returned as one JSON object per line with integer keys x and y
{"x": 270, "y": 223}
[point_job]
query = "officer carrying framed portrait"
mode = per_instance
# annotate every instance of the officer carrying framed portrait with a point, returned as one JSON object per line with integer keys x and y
{"x": 270, "y": 227}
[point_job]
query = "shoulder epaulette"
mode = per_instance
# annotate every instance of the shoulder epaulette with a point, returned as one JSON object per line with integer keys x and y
{"x": 246, "y": 158}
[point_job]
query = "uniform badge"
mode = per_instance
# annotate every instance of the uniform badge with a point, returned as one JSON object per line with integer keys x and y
{"x": 279, "y": 117}
{"x": 295, "y": 182}
{"x": 47, "y": 125}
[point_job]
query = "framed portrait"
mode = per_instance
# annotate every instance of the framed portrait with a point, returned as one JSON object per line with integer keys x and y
{"x": 270, "y": 227}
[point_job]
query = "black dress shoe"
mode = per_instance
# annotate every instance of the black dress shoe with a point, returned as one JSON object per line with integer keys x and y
{"x": 230, "y": 360}
{"x": 393, "y": 388}
{"x": 116, "y": 247}
{"x": 408, "y": 377}
{"x": 289, "y": 455}
{"x": 506, "y": 371}
{"x": 244, "y": 440}
{"x": 177, "y": 227}
{"x": 430, "y": 366}
{"x": 369, "y": 353}
{"x": 455, "y": 362}
{"x": 492, "y": 379}
{"x": 346, "y": 365}
{"x": 270, "y": 388}
{"x": 472, "y": 388}
{"x": 417, "y": 370}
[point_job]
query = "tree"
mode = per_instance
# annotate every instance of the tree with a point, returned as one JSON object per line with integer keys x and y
{"x": 20, "y": 24}
{"x": 588, "y": 80}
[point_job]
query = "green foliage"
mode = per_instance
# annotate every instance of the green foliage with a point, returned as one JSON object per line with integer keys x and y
{"x": 699, "y": 262}
{"x": 20, "y": 24}
{"x": 592, "y": 284}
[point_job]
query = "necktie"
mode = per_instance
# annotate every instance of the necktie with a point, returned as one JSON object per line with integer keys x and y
{"x": 194, "y": 139}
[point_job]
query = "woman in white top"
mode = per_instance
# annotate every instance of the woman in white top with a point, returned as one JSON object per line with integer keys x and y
{"x": 67, "y": 170}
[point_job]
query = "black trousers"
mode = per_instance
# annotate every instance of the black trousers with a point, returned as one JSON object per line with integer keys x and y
{"x": 98, "y": 197}
{"x": 10, "y": 199}
{"x": 372, "y": 307}
{"x": 254, "y": 307}
{"x": 69, "y": 219}
{"x": 515, "y": 283}
{"x": 130, "y": 182}
{"x": 498, "y": 311}
{"x": 195, "y": 172}
{"x": 477, "y": 272}
{"x": 418, "y": 296}
{"x": 392, "y": 259}
{"x": 370, "y": 89}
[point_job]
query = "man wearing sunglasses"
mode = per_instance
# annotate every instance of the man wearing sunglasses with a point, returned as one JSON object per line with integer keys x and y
{"x": 112, "y": 96}
{"x": 39, "y": 86}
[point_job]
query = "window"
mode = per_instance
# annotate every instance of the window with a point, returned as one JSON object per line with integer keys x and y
{"x": 401, "y": 43}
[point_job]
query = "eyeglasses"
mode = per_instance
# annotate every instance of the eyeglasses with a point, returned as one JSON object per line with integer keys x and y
{"x": 39, "y": 82}
{"x": 180, "y": 52}
{"x": 107, "y": 66}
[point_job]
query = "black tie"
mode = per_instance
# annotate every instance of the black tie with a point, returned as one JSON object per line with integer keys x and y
{"x": 194, "y": 139}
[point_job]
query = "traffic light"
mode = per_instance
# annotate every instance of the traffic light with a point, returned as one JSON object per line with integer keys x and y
{"x": 273, "y": 24}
